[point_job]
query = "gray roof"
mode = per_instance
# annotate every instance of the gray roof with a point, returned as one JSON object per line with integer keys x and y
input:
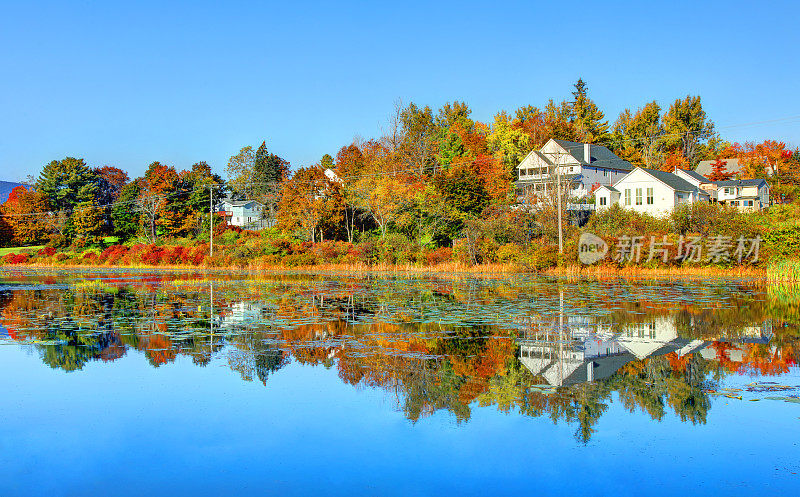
{"x": 731, "y": 166}
{"x": 674, "y": 182}
{"x": 543, "y": 157}
{"x": 600, "y": 156}
{"x": 740, "y": 182}
{"x": 609, "y": 187}
{"x": 699, "y": 177}
{"x": 238, "y": 203}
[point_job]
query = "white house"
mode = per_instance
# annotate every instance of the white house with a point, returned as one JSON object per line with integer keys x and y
{"x": 747, "y": 195}
{"x": 699, "y": 181}
{"x": 579, "y": 165}
{"x": 248, "y": 214}
{"x": 649, "y": 191}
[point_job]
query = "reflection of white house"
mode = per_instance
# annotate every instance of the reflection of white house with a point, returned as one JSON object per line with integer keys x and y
{"x": 243, "y": 312}
{"x": 579, "y": 165}
{"x": 586, "y": 351}
{"x": 646, "y": 338}
{"x": 248, "y": 214}
{"x": 649, "y": 191}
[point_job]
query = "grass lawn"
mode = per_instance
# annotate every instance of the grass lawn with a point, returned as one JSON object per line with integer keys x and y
{"x": 20, "y": 250}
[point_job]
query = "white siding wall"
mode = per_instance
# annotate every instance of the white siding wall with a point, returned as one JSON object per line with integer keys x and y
{"x": 664, "y": 197}
{"x": 609, "y": 196}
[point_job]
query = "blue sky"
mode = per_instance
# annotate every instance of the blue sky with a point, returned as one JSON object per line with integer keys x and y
{"x": 128, "y": 83}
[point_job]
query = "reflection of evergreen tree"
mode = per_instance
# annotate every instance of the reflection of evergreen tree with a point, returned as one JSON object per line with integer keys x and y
{"x": 432, "y": 387}
{"x": 269, "y": 362}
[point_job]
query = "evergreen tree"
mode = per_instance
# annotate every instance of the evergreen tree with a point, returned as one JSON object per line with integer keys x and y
{"x": 587, "y": 118}
{"x": 66, "y": 183}
{"x": 124, "y": 217}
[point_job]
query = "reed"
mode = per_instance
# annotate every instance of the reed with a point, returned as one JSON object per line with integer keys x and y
{"x": 787, "y": 270}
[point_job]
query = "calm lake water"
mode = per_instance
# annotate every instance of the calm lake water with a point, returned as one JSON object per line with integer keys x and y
{"x": 181, "y": 383}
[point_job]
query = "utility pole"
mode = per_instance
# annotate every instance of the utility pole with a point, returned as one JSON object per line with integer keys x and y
{"x": 211, "y": 219}
{"x": 558, "y": 200}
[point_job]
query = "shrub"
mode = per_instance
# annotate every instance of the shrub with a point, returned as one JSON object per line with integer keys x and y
{"x": 438, "y": 256}
{"x": 15, "y": 258}
{"x": 783, "y": 243}
{"x": 229, "y": 237}
{"x": 396, "y": 249}
{"x": 46, "y": 252}
{"x": 510, "y": 252}
{"x": 58, "y": 241}
{"x": 368, "y": 252}
{"x": 300, "y": 258}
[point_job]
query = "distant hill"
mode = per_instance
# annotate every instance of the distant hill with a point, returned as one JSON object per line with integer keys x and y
{"x": 5, "y": 189}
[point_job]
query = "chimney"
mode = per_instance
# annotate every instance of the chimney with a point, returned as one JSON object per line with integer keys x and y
{"x": 587, "y": 156}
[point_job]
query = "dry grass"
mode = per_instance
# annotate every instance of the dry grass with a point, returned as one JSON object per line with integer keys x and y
{"x": 486, "y": 270}
{"x": 608, "y": 271}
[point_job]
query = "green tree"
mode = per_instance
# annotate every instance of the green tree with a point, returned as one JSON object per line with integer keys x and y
{"x": 67, "y": 183}
{"x": 587, "y": 119}
{"x": 124, "y": 217}
{"x": 419, "y": 139}
{"x": 241, "y": 172}
{"x": 639, "y": 136}
{"x": 89, "y": 221}
{"x": 508, "y": 143}
{"x": 687, "y": 126}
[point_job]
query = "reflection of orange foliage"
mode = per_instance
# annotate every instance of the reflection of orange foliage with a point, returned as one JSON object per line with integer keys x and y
{"x": 159, "y": 350}
{"x": 760, "y": 359}
{"x": 678, "y": 363}
{"x": 480, "y": 368}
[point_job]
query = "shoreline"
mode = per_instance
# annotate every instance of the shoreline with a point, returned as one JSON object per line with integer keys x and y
{"x": 572, "y": 271}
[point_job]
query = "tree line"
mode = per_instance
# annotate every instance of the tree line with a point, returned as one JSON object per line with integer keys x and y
{"x": 427, "y": 178}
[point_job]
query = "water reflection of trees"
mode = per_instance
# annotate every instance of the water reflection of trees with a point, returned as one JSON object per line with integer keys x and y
{"x": 435, "y": 344}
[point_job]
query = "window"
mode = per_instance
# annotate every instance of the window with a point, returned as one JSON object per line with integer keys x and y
{"x": 727, "y": 191}
{"x": 627, "y": 196}
{"x": 603, "y": 201}
{"x": 638, "y": 196}
{"x": 649, "y": 196}
{"x": 605, "y": 173}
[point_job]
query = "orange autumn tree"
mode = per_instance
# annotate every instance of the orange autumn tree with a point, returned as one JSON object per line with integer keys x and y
{"x": 718, "y": 171}
{"x": 26, "y": 215}
{"x": 156, "y": 187}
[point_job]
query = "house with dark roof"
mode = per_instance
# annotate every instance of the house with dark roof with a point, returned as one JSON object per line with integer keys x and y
{"x": 579, "y": 166}
{"x": 747, "y": 195}
{"x": 247, "y": 214}
{"x": 650, "y": 191}
{"x": 699, "y": 181}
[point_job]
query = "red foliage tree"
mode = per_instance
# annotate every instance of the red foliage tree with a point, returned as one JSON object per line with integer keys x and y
{"x": 718, "y": 171}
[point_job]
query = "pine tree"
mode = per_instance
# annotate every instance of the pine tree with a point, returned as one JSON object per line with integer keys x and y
{"x": 587, "y": 118}
{"x": 66, "y": 183}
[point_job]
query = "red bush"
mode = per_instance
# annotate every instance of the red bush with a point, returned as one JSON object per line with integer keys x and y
{"x": 46, "y": 252}
{"x": 152, "y": 255}
{"x": 113, "y": 254}
{"x": 15, "y": 258}
{"x": 438, "y": 256}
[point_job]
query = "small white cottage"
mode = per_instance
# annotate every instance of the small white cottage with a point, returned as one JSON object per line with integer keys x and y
{"x": 649, "y": 191}
{"x": 248, "y": 214}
